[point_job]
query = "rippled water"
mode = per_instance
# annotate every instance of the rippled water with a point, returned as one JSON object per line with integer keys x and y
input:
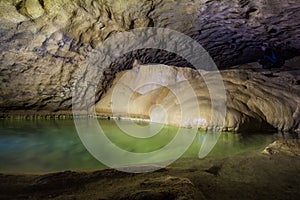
{"x": 54, "y": 145}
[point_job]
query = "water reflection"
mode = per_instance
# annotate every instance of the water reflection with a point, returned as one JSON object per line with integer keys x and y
{"x": 48, "y": 146}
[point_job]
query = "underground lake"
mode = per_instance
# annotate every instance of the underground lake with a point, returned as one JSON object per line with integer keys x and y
{"x": 43, "y": 146}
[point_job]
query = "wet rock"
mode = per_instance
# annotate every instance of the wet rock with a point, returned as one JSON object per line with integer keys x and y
{"x": 214, "y": 170}
{"x": 165, "y": 187}
{"x": 289, "y": 147}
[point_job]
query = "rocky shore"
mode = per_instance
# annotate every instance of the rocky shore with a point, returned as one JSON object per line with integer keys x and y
{"x": 251, "y": 175}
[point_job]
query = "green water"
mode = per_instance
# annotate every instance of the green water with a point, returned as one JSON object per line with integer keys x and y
{"x": 54, "y": 145}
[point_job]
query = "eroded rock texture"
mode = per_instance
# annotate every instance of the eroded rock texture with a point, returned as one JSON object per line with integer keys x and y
{"x": 43, "y": 43}
{"x": 289, "y": 147}
{"x": 254, "y": 101}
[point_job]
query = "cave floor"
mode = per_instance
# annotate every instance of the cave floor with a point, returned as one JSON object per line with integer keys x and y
{"x": 250, "y": 175}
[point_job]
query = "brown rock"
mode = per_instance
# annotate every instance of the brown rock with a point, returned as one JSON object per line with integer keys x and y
{"x": 289, "y": 147}
{"x": 43, "y": 44}
{"x": 32, "y": 8}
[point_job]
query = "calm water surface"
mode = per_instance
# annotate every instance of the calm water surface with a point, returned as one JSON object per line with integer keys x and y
{"x": 54, "y": 145}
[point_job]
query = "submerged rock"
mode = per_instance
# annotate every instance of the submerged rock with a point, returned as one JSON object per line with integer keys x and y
{"x": 160, "y": 93}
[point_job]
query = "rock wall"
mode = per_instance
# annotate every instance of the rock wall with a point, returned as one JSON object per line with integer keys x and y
{"x": 255, "y": 100}
{"x": 43, "y": 43}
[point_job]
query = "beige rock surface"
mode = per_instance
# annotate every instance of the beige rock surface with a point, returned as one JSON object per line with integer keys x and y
{"x": 290, "y": 147}
{"x": 255, "y": 101}
{"x": 43, "y": 44}
{"x": 31, "y": 8}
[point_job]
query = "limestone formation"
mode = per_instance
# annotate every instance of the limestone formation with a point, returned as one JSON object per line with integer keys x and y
{"x": 43, "y": 44}
{"x": 290, "y": 147}
{"x": 31, "y": 8}
{"x": 255, "y": 101}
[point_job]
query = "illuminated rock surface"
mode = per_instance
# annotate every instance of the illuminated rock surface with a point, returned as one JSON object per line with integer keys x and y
{"x": 255, "y": 100}
{"x": 290, "y": 147}
{"x": 44, "y": 43}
